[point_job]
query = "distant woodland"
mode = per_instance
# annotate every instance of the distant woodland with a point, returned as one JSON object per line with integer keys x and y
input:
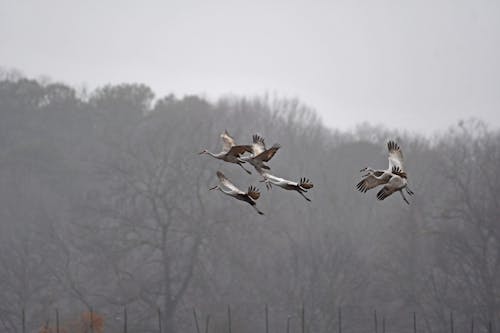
{"x": 104, "y": 204}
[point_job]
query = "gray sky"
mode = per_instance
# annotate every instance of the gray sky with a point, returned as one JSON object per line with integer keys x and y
{"x": 418, "y": 65}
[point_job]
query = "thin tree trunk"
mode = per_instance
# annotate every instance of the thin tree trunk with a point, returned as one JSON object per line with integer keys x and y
{"x": 207, "y": 323}
{"x": 340, "y": 320}
{"x": 159, "y": 320}
{"x": 229, "y": 319}
{"x": 91, "y": 321}
{"x": 267, "y": 319}
{"x": 414, "y": 322}
{"x": 303, "y": 318}
{"x": 23, "y": 320}
{"x": 125, "y": 319}
{"x": 196, "y": 321}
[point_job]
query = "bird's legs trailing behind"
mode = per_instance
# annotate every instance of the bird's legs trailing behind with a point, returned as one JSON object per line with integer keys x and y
{"x": 302, "y": 194}
{"x": 240, "y": 163}
{"x": 258, "y": 211}
{"x": 404, "y": 198}
{"x": 267, "y": 182}
{"x": 409, "y": 191}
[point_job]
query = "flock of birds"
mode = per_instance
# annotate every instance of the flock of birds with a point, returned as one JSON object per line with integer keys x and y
{"x": 394, "y": 178}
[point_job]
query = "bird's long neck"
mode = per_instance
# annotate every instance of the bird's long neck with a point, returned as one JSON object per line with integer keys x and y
{"x": 212, "y": 154}
{"x": 370, "y": 170}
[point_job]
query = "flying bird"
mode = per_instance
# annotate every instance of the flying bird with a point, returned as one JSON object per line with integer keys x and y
{"x": 230, "y": 151}
{"x": 228, "y": 188}
{"x": 260, "y": 154}
{"x": 394, "y": 178}
{"x": 301, "y": 187}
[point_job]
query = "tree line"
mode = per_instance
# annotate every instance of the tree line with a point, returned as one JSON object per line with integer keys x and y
{"x": 104, "y": 204}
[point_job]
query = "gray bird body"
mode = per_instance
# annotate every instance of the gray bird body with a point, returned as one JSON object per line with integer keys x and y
{"x": 394, "y": 178}
{"x": 231, "y": 152}
{"x": 301, "y": 187}
{"x": 260, "y": 154}
{"x": 229, "y": 189}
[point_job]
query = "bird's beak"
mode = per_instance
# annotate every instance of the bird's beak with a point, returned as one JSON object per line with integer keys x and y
{"x": 364, "y": 169}
{"x": 201, "y": 152}
{"x": 213, "y": 188}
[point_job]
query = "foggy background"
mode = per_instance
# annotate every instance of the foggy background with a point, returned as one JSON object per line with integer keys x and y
{"x": 418, "y": 65}
{"x": 104, "y": 201}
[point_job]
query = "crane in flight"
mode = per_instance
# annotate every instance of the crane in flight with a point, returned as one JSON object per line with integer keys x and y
{"x": 260, "y": 154}
{"x": 394, "y": 178}
{"x": 228, "y": 188}
{"x": 301, "y": 186}
{"x": 231, "y": 152}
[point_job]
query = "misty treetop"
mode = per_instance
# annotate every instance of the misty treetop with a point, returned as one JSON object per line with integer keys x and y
{"x": 104, "y": 203}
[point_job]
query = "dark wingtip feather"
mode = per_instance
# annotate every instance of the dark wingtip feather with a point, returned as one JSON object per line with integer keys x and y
{"x": 361, "y": 187}
{"x": 396, "y": 169}
{"x": 381, "y": 195}
{"x": 257, "y": 138}
{"x": 305, "y": 183}
{"x": 392, "y": 145}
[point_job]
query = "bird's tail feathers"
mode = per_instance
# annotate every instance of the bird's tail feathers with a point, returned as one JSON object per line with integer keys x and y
{"x": 253, "y": 192}
{"x": 305, "y": 183}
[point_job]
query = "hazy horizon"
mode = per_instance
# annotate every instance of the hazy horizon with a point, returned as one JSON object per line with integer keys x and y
{"x": 419, "y": 67}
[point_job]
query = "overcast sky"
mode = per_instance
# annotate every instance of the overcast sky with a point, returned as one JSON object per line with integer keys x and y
{"x": 418, "y": 65}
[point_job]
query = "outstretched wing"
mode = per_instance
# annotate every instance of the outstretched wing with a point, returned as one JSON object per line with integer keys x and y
{"x": 226, "y": 183}
{"x": 385, "y": 192}
{"x": 266, "y": 155}
{"x": 253, "y": 192}
{"x": 395, "y": 156}
{"x": 239, "y": 150}
{"x": 227, "y": 141}
{"x": 370, "y": 182}
{"x": 258, "y": 144}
